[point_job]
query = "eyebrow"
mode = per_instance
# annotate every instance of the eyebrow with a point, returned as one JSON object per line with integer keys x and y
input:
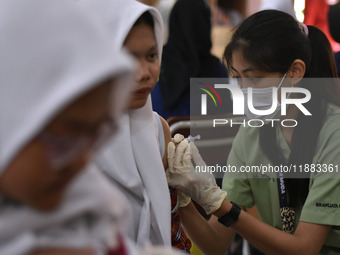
{"x": 245, "y": 70}
{"x": 151, "y": 49}
{"x": 154, "y": 47}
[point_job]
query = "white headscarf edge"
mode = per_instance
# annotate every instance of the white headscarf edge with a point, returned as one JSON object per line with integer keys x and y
{"x": 32, "y": 93}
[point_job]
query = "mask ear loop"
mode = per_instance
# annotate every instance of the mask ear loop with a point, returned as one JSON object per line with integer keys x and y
{"x": 284, "y": 76}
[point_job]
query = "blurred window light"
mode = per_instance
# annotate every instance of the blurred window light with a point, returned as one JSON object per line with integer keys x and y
{"x": 331, "y": 2}
{"x": 299, "y": 7}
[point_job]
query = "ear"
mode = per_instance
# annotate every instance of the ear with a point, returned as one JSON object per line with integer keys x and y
{"x": 296, "y": 71}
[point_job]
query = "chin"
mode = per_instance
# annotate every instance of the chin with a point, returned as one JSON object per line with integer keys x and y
{"x": 136, "y": 104}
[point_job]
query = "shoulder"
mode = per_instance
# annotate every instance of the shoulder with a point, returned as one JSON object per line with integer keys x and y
{"x": 331, "y": 126}
{"x": 333, "y": 114}
{"x": 166, "y": 137}
{"x": 166, "y": 130}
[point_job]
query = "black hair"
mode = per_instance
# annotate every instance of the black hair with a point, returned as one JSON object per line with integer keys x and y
{"x": 334, "y": 21}
{"x": 271, "y": 40}
{"x": 146, "y": 18}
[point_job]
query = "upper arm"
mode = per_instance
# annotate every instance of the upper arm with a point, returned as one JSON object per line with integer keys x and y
{"x": 167, "y": 139}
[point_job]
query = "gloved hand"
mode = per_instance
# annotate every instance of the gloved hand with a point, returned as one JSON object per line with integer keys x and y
{"x": 200, "y": 186}
{"x": 183, "y": 200}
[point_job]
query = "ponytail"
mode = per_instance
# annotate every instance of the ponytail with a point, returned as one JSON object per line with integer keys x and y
{"x": 304, "y": 139}
{"x": 322, "y": 62}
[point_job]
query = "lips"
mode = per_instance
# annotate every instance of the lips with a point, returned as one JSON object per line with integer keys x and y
{"x": 142, "y": 93}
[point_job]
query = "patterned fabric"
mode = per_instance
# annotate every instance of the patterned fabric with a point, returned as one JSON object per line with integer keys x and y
{"x": 120, "y": 250}
{"x": 287, "y": 219}
{"x": 179, "y": 239}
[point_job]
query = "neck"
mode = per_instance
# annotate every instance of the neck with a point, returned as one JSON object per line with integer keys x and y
{"x": 292, "y": 113}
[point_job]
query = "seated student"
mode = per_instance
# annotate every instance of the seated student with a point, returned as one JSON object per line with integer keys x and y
{"x": 299, "y": 215}
{"x": 62, "y": 89}
{"x": 136, "y": 161}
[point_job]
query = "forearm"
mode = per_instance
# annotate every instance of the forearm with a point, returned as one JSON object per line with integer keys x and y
{"x": 209, "y": 236}
{"x": 306, "y": 240}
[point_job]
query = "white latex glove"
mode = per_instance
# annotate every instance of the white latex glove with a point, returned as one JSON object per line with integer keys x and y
{"x": 183, "y": 200}
{"x": 177, "y": 138}
{"x": 200, "y": 186}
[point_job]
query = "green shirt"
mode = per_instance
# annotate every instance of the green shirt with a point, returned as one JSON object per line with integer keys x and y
{"x": 322, "y": 205}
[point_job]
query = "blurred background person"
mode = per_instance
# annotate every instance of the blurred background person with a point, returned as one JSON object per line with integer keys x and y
{"x": 186, "y": 55}
{"x": 315, "y": 14}
{"x": 281, "y": 5}
{"x": 63, "y": 87}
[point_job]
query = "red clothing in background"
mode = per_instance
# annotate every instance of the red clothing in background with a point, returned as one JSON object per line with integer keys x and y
{"x": 316, "y": 14}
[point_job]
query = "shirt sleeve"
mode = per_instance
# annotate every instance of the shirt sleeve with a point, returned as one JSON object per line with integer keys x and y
{"x": 322, "y": 205}
{"x": 236, "y": 184}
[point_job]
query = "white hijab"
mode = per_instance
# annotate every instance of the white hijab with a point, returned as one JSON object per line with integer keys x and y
{"x": 51, "y": 53}
{"x": 133, "y": 161}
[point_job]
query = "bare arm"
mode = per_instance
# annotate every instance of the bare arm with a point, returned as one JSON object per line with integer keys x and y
{"x": 307, "y": 239}
{"x": 167, "y": 139}
{"x": 210, "y": 237}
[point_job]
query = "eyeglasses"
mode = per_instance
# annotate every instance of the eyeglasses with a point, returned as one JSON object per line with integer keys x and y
{"x": 63, "y": 149}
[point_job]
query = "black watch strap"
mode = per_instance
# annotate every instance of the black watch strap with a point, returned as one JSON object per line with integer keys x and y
{"x": 230, "y": 217}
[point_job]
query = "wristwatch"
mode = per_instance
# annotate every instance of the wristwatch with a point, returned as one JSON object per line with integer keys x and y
{"x": 230, "y": 217}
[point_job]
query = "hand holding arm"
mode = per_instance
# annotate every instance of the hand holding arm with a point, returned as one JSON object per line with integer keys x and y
{"x": 200, "y": 186}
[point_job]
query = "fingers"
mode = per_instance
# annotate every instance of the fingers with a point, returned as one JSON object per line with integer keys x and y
{"x": 196, "y": 156}
{"x": 187, "y": 157}
{"x": 183, "y": 199}
{"x": 171, "y": 156}
{"x": 178, "y": 138}
{"x": 170, "y": 179}
{"x": 179, "y": 154}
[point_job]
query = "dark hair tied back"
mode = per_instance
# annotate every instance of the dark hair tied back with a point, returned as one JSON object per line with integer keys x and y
{"x": 270, "y": 41}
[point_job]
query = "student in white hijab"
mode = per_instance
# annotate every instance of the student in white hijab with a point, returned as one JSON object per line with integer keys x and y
{"x": 62, "y": 86}
{"x": 164, "y": 7}
{"x": 133, "y": 161}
